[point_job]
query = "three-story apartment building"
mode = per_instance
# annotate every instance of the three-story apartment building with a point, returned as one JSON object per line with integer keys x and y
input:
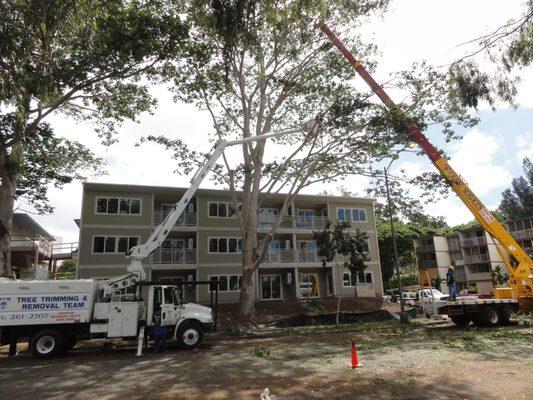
{"x": 205, "y": 243}
{"x": 472, "y": 251}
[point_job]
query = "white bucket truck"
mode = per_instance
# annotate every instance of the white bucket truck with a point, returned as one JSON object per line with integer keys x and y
{"x": 53, "y": 315}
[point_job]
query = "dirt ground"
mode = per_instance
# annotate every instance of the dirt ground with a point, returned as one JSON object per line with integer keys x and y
{"x": 415, "y": 362}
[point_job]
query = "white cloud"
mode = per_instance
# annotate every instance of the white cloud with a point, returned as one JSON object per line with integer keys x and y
{"x": 524, "y": 145}
{"x": 475, "y": 159}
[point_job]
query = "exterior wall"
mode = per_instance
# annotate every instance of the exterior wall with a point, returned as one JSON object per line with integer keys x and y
{"x": 201, "y": 263}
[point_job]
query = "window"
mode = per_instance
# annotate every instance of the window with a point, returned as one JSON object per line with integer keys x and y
{"x": 270, "y": 287}
{"x": 114, "y": 244}
{"x": 479, "y": 269}
{"x": 222, "y": 210}
{"x": 349, "y": 280}
{"x": 226, "y": 283}
{"x": 115, "y": 205}
{"x": 308, "y": 285}
{"x": 224, "y": 245}
{"x": 351, "y": 214}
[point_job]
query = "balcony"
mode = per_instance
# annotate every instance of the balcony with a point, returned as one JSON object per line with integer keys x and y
{"x": 299, "y": 222}
{"x": 286, "y": 256}
{"x": 427, "y": 248}
{"x": 174, "y": 256}
{"x": 24, "y": 243}
{"x": 280, "y": 256}
{"x": 186, "y": 219}
{"x": 476, "y": 258}
{"x": 427, "y": 264}
{"x": 474, "y": 241}
{"x": 524, "y": 234}
{"x": 308, "y": 256}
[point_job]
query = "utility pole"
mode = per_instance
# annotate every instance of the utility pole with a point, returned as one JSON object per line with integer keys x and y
{"x": 403, "y": 315}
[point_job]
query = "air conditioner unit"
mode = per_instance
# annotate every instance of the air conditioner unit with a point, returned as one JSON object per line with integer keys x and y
{"x": 191, "y": 207}
{"x": 289, "y": 278}
{"x": 190, "y": 244}
{"x": 288, "y": 244}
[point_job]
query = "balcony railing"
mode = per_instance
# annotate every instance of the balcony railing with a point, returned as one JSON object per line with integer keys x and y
{"x": 24, "y": 242}
{"x": 307, "y": 256}
{"x": 174, "y": 256}
{"x": 427, "y": 248}
{"x": 524, "y": 234}
{"x": 284, "y": 256}
{"x": 474, "y": 241}
{"x": 427, "y": 263}
{"x": 186, "y": 219}
{"x": 280, "y": 256}
{"x": 298, "y": 222}
{"x": 476, "y": 258}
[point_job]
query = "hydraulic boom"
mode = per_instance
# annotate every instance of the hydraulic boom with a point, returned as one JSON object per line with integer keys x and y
{"x": 521, "y": 269}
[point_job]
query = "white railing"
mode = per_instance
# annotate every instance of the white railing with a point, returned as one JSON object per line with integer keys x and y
{"x": 298, "y": 222}
{"x": 280, "y": 256}
{"x": 307, "y": 256}
{"x": 303, "y": 222}
{"x": 476, "y": 258}
{"x": 25, "y": 242}
{"x": 283, "y": 256}
{"x": 474, "y": 241}
{"x": 186, "y": 219}
{"x": 174, "y": 256}
{"x": 267, "y": 223}
{"x": 525, "y": 234}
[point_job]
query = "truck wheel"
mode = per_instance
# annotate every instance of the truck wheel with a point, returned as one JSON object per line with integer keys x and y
{"x": 190, "y": 334}
{"x": 490, "y": 316}
{"x": 460, "y": 320}
{"x": 47, "y": 343}
{"x": 508, "y": 315}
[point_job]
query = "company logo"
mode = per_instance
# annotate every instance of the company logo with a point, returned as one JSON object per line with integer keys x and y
{"x": 4, "y": 302}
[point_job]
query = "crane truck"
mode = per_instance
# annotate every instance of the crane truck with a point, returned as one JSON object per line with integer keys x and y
{"x": 507, "y": 300}
{"x": 54, "y": 314}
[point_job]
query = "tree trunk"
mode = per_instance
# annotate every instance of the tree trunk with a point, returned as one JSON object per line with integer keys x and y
{"x": 249, "y": 258}
{"x": 8, "y": 186}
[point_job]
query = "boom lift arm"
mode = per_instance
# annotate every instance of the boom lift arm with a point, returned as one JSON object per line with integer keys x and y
{"x": 138, "y": 253}
{"x": 521, "y": 274}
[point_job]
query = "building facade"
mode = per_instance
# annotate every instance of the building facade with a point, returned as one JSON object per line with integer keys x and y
{"x": 473, "y": 253}
{"x": 205, "y": 242}
{"x": 522, "y": 231}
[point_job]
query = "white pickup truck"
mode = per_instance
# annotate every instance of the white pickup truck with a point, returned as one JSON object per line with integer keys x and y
{"x": 53, "y": 315}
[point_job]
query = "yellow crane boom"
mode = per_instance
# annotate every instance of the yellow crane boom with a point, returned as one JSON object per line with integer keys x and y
{"x": 521, "y": 267}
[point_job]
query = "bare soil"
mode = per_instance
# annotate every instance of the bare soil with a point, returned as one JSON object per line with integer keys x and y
{"x": 413, "y": 362}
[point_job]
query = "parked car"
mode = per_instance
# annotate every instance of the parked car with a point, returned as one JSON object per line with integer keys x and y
{"x": 408, "y": 298}
{"x": 430, "y": 294}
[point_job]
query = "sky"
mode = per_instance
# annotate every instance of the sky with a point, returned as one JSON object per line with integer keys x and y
{"x": 488, "y": 156}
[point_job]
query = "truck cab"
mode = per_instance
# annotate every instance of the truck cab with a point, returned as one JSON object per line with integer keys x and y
{"x": 185, "y": 322}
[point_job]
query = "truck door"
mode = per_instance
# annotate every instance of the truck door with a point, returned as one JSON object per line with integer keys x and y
{"x": 170, "y": 306}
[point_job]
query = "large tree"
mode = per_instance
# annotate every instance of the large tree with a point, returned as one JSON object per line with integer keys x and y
{"x": 83, "y": 58}
{"x": 264, "y": 67}
{"x": 517, "y": 201}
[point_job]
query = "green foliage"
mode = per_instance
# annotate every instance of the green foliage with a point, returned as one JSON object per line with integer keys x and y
{"x": 68, "y": 266}
{"x": 353, "y": 247}
{"x": 260, "y": 352}
{"x": 499, "y": 276}
{"x": 517, "y": 202}
{"x": 405, "y": 234}
{"x": 83, "y": 58}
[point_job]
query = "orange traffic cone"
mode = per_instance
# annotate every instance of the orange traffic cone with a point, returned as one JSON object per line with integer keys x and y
{"x": 355, "y": 361}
